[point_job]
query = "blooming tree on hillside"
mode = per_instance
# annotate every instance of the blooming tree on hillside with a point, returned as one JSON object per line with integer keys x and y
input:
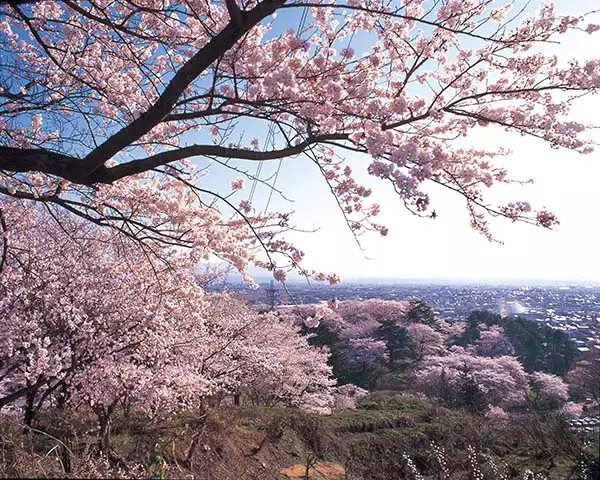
{"x": 106, "y": 98}
{"x": 89, "y": 319}
{"x": 549, "y": 385}
{"x": 311, "y": 315}
{"x": 572, "y": 410}
{"x": 263, "y": 357}
{"x": 497, "y": 416}
{"x": 501, "y": 380}
{"x": 425, "y": 339}
{"x": 75, "y": 299}
{"x": 351, "y": 318}
{"x": 493, "y": 343}
{"x": 362, "y": 317}
{"x": 347, "y": 396}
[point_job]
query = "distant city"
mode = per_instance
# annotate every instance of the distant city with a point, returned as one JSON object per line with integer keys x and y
{"x": 574, "y": 309}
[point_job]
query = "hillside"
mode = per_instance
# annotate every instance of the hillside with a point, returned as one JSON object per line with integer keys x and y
{"x": 356, "y": 390}
{"x": 380, "y": 440}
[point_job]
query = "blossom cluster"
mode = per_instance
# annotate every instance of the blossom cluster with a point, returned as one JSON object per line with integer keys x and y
{"x": 89, "y": 317}
{"x": 84, "y": 76}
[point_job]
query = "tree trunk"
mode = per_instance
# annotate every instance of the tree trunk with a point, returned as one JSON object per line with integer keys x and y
{"x": 65, "y": 456}
{"x": 104, "y": 435}
{"x": 22, "y": 392}
{"x": 62, "y": 397}
{"x": 104, "y": 432}
{"x": 30, "y": 409}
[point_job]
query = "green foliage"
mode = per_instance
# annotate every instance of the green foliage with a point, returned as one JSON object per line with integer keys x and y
{"x": 404, "y": 402}
{"x": 325, "y": 335}
{"x": 396, "y": 380}
{"x": 420, "y": 312}
{"x": 471, "y": 333}
{"x": 364, "y": 374}
{"x": 367, "y": 374}
{"x": 399, "y": 344}
{"x": 469, "y": 396}
{"x": 537, "y": 346}
{"x": 158, "y": 470}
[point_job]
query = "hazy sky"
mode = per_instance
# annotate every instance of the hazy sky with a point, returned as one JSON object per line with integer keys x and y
{"x": 565, "y": 182}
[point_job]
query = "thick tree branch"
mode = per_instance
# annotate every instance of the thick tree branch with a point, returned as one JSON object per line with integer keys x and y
{"x": 21, "y": 392}
{"x": 37, "y": 160}
{"x": 190, "y": 70}
{"x": 109, "y": 175}
{"x": 64, "y": 166}
{"x": 234, "y": 12}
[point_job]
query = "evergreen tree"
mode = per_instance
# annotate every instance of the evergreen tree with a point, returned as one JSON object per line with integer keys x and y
{"x": 471, "y": 333}
{"x": 325, "y": 336}
{"x": 469, "y": 395}
{"x": 538, "y": 346}
{"x": 420, "y": 312}
{"x": 399, "y": 344}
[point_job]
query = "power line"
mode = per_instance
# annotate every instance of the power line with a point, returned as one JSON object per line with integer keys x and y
{"x": 259, "y": 167}
{"x": 299, "y": 29}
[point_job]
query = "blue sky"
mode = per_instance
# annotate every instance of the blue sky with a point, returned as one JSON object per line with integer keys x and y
{"x": 446, "y": 248}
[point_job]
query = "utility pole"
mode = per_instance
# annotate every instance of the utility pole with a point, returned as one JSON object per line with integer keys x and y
{"x": 272, "y": 296}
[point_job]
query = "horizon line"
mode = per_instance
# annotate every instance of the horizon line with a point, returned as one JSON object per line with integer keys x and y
{"x": 294, "y": 280}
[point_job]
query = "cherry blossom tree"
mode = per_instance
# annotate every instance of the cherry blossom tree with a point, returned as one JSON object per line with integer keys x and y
{"x": 497, "y": 416}
{"x": 362, "y": 317}
{"x": 311, "y": 315}
{"x": 585, "y": 374}
{"x": 106, "y": 99}
{"x": 572, "y": 410}
{"x": 356, "y": 321}
{"x": 229, "y": 351}
{"x": 493, "y": 343}
{"x": 549, "y": 385}
{"x": 79, "y": 302}
{"x": 501, "y": 380}
{"x": 347, "y": 396}
{"x": 90, "y": 320}
{"x": 425, "y": 339}
{"x": 368, "y": 350}
{"x": 263, "y": 357}
{"x": 350, "y": 318}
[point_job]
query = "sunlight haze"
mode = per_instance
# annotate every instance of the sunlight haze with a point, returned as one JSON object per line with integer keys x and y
{"x": 564, "y": 182}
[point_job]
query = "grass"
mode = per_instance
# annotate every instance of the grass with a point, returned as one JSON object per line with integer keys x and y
{"x": 261, "y": 442}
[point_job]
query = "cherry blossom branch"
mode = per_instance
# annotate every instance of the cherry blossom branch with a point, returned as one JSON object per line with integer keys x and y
{"x": 392, "y": 14}
{"x": 4, "y": 234}
{"x": 109, "y": 175}
{"x": 184, "y": 77}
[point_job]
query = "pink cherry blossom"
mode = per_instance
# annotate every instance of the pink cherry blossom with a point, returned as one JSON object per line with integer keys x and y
{"x": 125, "y": 327}
{"x": 237, "y": 184}
{"x": 502, "y": 380}
{"x": 493, "y": 343}
{"x": 153, "y": 89}
{"x": 549, "y": 385}
{"x": 572, "y": 410}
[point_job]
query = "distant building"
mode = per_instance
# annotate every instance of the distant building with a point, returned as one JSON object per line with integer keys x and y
{"x": 586, "y": 424}
{"x": 508, "y": 309}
